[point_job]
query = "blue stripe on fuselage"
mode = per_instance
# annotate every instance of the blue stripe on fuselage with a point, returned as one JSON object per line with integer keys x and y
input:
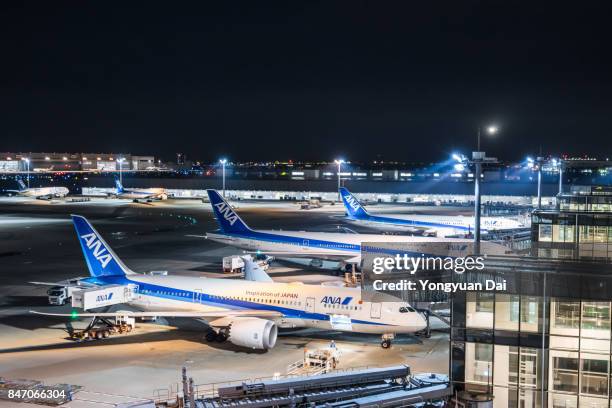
{"x": 319, "y": 244}
{"x": 163, "y": 292}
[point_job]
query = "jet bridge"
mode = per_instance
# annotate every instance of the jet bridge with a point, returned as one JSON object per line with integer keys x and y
{"x": 354, "y": 388}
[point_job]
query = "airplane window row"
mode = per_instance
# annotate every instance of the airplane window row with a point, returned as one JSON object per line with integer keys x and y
{"x": 345, "y": 307}
{"x": 164, "y": 292}
{"x": 259, "y": 300}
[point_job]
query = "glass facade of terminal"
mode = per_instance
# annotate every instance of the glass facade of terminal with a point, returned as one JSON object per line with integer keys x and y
{"x": 580, "y": 229}
{"x": 545, "y": 342}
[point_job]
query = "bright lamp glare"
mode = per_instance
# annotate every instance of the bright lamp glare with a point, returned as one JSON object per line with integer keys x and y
{"x": 223, "y": 161}
{"x": 459, "y": 167}
{"x": 457, "y": 157}
{"x": 339, "y": 161}
{"x": 492, "y": 130}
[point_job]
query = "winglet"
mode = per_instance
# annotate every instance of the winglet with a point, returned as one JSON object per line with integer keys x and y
{"x": 228, "y": 220}
{"x": 100, "y": 258}
{"x": 354, "y": 209}
{"x": 254, "y": 272}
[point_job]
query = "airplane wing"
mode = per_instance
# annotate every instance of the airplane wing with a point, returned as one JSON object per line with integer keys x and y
{"x": 197, "y": 315}
{"x": 45, "y": 283}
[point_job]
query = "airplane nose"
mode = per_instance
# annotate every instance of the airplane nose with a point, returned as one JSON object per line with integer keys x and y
{"x": 422, "y": 322}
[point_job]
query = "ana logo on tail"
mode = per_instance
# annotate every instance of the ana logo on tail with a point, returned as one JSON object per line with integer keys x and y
{"x": 226, "y": 211}
{"x": 98, "y": 251}
{"x": 352, "y": 201}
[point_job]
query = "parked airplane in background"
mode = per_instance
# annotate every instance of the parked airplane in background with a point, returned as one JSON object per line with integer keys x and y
{"x": 344, "y": 247}
{"x": 141, "y": 194}
{"x": 433, "y": 225}
{"x": 39, "y": 192}
{"x": 248, "y": 313}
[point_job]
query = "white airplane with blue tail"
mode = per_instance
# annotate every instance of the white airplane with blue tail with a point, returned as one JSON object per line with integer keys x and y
{"x": 39, "y": 192}
{"x": 246, "y": 313}
{"x": 432, "y": 225}
{"x": 156, "y": 193}
{"x": 343, "y": 247}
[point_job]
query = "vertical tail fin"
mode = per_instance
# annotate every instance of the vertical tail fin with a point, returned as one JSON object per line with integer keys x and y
{"x": 118, "y": 185}
{"x": 228, "y": 220}
{"x": 352, "y": 205}
{"x": 22, "y": 186}
{"x": 100, "y": 258}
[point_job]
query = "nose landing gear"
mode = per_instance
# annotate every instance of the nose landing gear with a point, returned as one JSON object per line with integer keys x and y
{"x": 386, "y": 340}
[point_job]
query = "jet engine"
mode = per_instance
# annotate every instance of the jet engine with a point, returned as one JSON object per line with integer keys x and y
{"x": 252, "y": 332}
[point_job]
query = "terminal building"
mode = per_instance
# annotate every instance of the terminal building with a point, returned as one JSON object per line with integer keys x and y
{"x": 36, "y": 162}
{"x": 546, "y": 341}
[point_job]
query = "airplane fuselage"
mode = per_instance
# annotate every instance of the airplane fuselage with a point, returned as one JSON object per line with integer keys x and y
{"x": 443, "y": 225}
{"x": 300, "y": 305}
{"x": 44, "y": 192}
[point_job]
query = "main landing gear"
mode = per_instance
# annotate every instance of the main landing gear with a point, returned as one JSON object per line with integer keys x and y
{"x": 386, "y": 340}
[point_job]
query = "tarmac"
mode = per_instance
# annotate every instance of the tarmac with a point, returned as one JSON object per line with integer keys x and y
{"x": 37, "y": 243}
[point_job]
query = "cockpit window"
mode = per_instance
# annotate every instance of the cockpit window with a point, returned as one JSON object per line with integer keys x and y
{"x": 406, "y": 309}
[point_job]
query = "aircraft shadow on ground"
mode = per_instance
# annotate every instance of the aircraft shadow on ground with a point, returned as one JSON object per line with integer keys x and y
{"x": 124, "y": 339}
{"x": 329, "y": 335}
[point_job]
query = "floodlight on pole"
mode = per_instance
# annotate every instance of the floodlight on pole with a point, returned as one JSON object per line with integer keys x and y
{"x": 339, "y": 163}
{"x": 223, "y": 162}
{"x": 478, "y": 158}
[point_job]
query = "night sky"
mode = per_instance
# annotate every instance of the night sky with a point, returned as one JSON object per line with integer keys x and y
{"x": 259, "y": 80}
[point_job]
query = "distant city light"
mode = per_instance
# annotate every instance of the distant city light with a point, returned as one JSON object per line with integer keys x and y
{"x": 47, "y": 158}
{"x": 64, "y": 158}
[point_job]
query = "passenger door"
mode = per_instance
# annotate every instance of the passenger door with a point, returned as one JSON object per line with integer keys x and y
{"x": 197, "y": 296}
{"x": 310, "y": 305}
{"x": 375, "y": 310}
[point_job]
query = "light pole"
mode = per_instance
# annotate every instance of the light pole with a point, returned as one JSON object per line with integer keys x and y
{"x": 560, "y": 165}
{"x": 478, "y": 158}
{"x": 537, "y": 162}
{"x": 223, "y": 161}
{"x": 27, "y": 160}
{"x": 120, "y": 161}
{"x": 339, "y": 163}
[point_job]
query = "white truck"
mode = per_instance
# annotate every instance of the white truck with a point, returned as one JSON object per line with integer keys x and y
{"x": 59, "y": 295}
{"x": 235, "y": 263}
